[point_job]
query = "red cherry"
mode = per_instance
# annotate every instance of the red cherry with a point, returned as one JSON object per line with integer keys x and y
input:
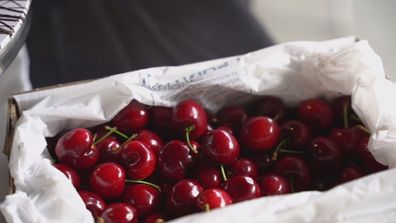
{"x": 155, "y": 218}
{"x": 109, "y": 149}
{"x": 208, "y": 176}
{"x": 269, "y": 106}
{"x": 182, "y": 198}
{"x": 213, "y": 198}
{"x": 316, "y": 113}
{"x": 232, "y": 116}
{"x": 297, "y": 132}
{"x": 326, "y": 157}
{"x": 70, "y": 174}
{"x": 243, "y": 166}
{"x": 346, "y": 139}
{"x": 139, "y": 159}
{"x": 161, "y": 120}
{"x": 259, "y": 134}
{"x": 143, "y": 197}
{"x": 242, "y": 188}
{"x": 132, "y": 118}
{"x": 174, "y": 160}
{"x": 273, "y": 184}
{"x": 366, "y": 158}
{"x": 351, "y": 172}
{"x": 190, "y": 113}
{"x": 151, "y": 139}
{"x": 94, "y": 203}
{"x": 120, "y": 213}
{"x": 220, "y": 147}
{"x": 76, "y": 150}
{"x": 295, "y": 170}
{"x": 107, "y": 180}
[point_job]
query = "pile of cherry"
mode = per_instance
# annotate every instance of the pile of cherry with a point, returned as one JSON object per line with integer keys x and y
{"x": 152, "y": 163}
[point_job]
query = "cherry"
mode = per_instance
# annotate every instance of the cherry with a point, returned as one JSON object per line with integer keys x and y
{"x": 295, "y": 170}
{"x": 347, "y": 140}
{"x": 350, "y": 173}
{"x": 174, "y": 160}
{"x": 71, "y": 174}
{"x": 151, "y": 139}
{"x": 132, "y": 118}
{"x": 366, "y": 158}
{"x": 269, "y": 106}
{"x": 242, "y": 188}
{"x": 94, "y": 203}
{"x": 120, "y": 213}
{"x": 232, "y": 116}
{"x": 264, "y": 161}
{"x": 213, "y": 198}
{"x": 326, "y": 157}
{"x": 342, "y": 110}
{"x": 316, "y": 113}
{"x": 143, "y": 197}
{"x": 161, "y": 120}
{"x": 220, "y": 147}
{"x": 208, "y": 176}
{"x": 189, "y": 113}
{"x": 297, "y": 132}
{"x": 155, "y": 218}
{"x": 75, "y": 149}
{"x": 139, "y": 159}
{"x": 109, "y": 149}
{"x": 273, "y": 184}
{"x": 259, "y": 134}
{"x": 243, "y": 166}
{"x": 107, "y": 180}
{"x": 182, "y": 198}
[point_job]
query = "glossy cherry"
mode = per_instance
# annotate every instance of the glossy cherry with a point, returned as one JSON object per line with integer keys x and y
{"x": 189, "y": 113}
{"x": 94, "y": 203}
{"x": 316, "y": 113}
{"x": 174, "y": 160}
{"x": 208, "y": 176}
{"x": 151, "y": 139}
{"x": 132, "y": 118}
{"x": 220, "y": 147}
{"x": 161, "y": 121}
{"x": 273, "y": 184}
{"x": 144, "y": 198}
{"x": 154, "y": 218}
{"x": 75, "y": 149}
{"x": 120, "y": 213}
{"x": 295, "y": 170}
{"x": 232, "y": 116}
{"x": 71, "y": 174}
{"x": 243, "y": 166}
{"x": 366, "y": 158}
{"x": 139, "y": 159}
{"x": 242, "y": 188}
{"x": 269, "y": 106}
{"x": 182, "y": 198}
{"x": 297, "y": 133}
{"x": 350, "y": 172}
{"x": 107, "y": 180}
{"x": 259, "y": 134}
{"x": 109, "y": 149}
{"x": 213, "y": 198}
{"x": 326, "y": 158}
{"x": 346, "y": 139}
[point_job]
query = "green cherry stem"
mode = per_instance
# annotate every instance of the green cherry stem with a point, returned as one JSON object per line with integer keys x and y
{"x": 345, "y": 114}
{"x": 117, "y": 132}
{"x": 143, "y": 182}
{"x": 354, "y": 117}
{"x": 188, "y": 130}
{"x": 277, "y": 149}
{"x": 206, "y": 207}
{"x": 105, "y": 136}
{"x": 363, "y": 128}
{"x": 293, "y": 152}
{"x": 223, "y": 173}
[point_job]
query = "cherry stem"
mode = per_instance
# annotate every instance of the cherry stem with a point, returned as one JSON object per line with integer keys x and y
{"x": 100, "y": 220}
{"x": 277, "y": 117}
{"x": 277, "y": 149}
{"x": 293, "y": 152}
{"x": 291, "y": 181}
{"x": 117, "y": 132}
{"x": 363, "y": 128}
{"x": 354, "y": 117}
{"x": 206, "y": 207}
{"x": 345, "y": 114}
{"x": 105, "y": 135}
{"x": 144, "y": 182}
{"x": 223, "y": 173}
{"x": 159, "y": 221}
{"x": 188, "y": 130}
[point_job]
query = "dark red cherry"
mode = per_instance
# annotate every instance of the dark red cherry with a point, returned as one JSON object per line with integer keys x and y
{"x": 243, "y": 166}
{"x": 259, "y": 134}
{"x": 155, "y": 218}
{"x": 232, "y": 117}
{"x": 213, "y": 198}
{"x": 143, "y": 197}
{"x": 269, "y": 106}
{"x": 366, "y": 158}
{"x": 75, "y": 149}
{"x": 190, "y": 113}
{"x": 242, "y": 188}
{"x": 295, "y": 170}
{"x": 220, "y": 147}
{"x": 346, "y": 140}
{"x": 161, "y": 120}
{"x": 70, "y": 174}
{"x": 273, "y": 184}
{"x": 297, "y": 133}
{"x": 151, "y": 139}
{"x": 132, "y": 118}
{"x": 182, "y": 198}
{"x": 107, "y": 180}
{"x": 264, "y": 161}
{"x": 120, "y": 213}
{"x": 316, "y": 113}
{"x": 94, "y": 203}
{"x": 139, "y": 159}
{"x": 174, "y": 160}
{"x": 326, "y": 157}
{"x": 350, "y": 172}
{"x": 208, "y": 176}
{"x": 109, "y": 149}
